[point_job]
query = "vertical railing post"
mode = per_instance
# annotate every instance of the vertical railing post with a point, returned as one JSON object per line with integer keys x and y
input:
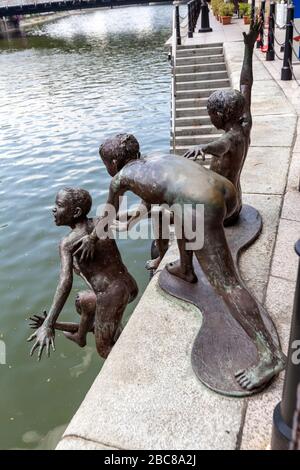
{"x": 178, "y": 37}
{"x": 286, "y": 71}
{"x": 190, "y": 20}
{"x": 252, "y": 10}
{"x": 270, "y": 55}
{"x": 197, "y": 10}
{"x": 284, "y": 412}
{"x": 260, "y": 40}
{"x": 205, "y": 26}
{"x": 295, "y": 442}
{"x": 173, "y": 83}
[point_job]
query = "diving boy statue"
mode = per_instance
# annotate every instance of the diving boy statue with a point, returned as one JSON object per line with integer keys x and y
{"x": 111, "y": 287}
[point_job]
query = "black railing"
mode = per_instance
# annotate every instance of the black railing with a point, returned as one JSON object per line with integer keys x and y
{"x": 177, "y": 25}
{"x": 205, "y": 26}
{"x": 194, "y": 8}
{"x": 287, "y": 46}
{"x": 271, "y": 33}
{"x": 287, "y": 69}
{"x": 260, "y": 40}
{"x": 295, "y": 442}
{"x": 283, "y": 418}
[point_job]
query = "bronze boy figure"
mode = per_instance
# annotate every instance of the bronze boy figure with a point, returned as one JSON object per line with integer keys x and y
{"x": 230, "y": 110}
{"x": 111, "y": 286}
{"x": 165, "y": 179}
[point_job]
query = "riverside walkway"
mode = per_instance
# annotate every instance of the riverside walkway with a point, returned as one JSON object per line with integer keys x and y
{"x": 146, "y": 395}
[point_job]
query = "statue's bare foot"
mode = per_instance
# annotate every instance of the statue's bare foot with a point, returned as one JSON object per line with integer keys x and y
{"x": 75, "y": 338}
{"x": 175, "y": 269}
{"x": 262, "y": 373}
{"x": 153, "y": 264}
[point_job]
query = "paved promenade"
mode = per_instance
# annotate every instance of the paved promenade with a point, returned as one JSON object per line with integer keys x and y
{"x": 147, "y": 396}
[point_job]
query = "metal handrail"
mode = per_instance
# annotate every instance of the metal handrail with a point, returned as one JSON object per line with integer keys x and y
{"x": 173, "y": 85}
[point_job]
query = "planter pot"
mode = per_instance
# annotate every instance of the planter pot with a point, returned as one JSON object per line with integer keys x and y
{"x": 225, "y": 20}
{"x": 247, "y": 19}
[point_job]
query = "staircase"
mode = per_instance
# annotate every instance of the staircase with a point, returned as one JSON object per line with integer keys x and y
{"x": 200, "y": 70}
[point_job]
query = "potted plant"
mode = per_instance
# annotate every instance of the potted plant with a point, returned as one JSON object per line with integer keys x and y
{"x": 215, "y": 4}
{"x": 226, "y": 12}
{"x": 245, "y": 12}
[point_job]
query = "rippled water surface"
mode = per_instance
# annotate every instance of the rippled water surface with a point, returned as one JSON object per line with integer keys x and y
{"x": 64, "y": 88}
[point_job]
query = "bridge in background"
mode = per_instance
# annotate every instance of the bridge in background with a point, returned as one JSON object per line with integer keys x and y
{"x": 9, "y": 8}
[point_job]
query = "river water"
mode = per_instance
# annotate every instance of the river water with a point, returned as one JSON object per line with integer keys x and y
{"x": 64, "y": 88}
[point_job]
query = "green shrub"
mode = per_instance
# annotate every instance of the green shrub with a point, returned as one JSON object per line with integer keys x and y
{"x": 245, "y": 9}
{"x": 215, "y": 5}
{"x": 226, "y": 9}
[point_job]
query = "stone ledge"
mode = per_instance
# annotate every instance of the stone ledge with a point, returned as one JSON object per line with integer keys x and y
{"x": 147, "y": 396}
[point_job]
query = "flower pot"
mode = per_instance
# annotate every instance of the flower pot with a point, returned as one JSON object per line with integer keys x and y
{"x": 225, "y": 20}
{"x": 247, "y": 19}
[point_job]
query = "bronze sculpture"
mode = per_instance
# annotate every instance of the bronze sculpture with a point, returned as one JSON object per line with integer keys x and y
{"x": 230, "y": 110}
{"x": 211, "y": 276}
{"x": 111, "y": 287}
{"x": 155, "y": 180}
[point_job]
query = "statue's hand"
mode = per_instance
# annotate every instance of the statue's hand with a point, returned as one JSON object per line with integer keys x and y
{"x": 195, "y": 152}
{"x": 37, "y": 320}
{"x": 251, "y": 37}
{"x": 44, "y": 337}
{"x": 85, "y": 248}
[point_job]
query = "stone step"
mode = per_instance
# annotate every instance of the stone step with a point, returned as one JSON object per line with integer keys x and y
{"x": 189, "y": 112}
{"x": 199, "y": 46}
{"x": 188, "y": 141}
{"x": 191, "y": 103}
{"x": 199, "y": 52}
{"x": 196, "y": 68}
{"x": 196, "y": 130}
{"x": 202, "y": 84}
{"x": 201, "y": 76}
{"x": 197, "y": 93}
{"x": 192, "y": 121}
{"x": 194, "y": 60}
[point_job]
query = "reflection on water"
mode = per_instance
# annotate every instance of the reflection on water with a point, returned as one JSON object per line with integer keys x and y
{"x": 63, "y": 89}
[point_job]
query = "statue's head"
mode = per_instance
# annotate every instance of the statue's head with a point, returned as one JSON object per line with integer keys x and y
{"x": 119, "y": 150}
{"x": 225, "y": 107}
{"x": 71, "y": 206}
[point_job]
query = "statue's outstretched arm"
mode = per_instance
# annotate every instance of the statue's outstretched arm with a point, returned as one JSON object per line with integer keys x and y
{"x": 246, "y": 80}
{"x": 64, "y": 285}
{"x": 217, "y": 148}
{"x": 44, "y": 335}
